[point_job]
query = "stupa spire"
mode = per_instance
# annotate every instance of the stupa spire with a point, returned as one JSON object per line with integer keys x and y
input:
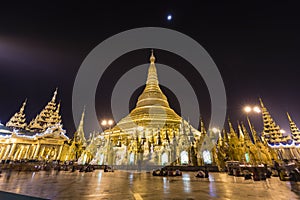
{"x": 152, "y": 108}
{"x": 255, "y": 136}
{"x": 152, "y": 94}
{"x": 241, "y": 134}
{"x": 245, "y": 132}
{"x": 54, "y": 96}
{"x": 271, "y": 132}
{"x": 152, "y": 73}
{"x": 231, "y": 129}
{"x": 294, "y": 130}
{"x": 79, "y": 134}
{"x": 18, "y": 119}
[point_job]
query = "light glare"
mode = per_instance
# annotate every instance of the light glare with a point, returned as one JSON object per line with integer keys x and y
{"x": 247, "y": 109}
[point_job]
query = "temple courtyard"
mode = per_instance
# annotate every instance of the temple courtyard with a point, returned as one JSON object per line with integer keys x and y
{"x": 134, "y": 185}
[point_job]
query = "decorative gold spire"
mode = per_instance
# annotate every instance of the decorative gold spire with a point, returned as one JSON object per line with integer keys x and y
{"x": 152, "y": 58}
{"x": 152, "y": 107}
{"x": 54, "y": 95}
{"x": 231, "y": 129}
{"x": 79, "y": 134}
{"x": 202, "y": 127}
{"x": 294, "y": 130}
{"x": 18, "y": 119}
{"x": 289, "y": 117}
{"x": 241, "y": 134}
{"x": 245, "y": 132}
{"x": 271, "y": 132}
{"x": 255, "y": 136}
{"x": 47, "y": 117}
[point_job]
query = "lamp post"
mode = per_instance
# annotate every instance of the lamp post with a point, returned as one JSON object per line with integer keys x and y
{"x": 257, "y": 110}
{"x": 108, "y": 123}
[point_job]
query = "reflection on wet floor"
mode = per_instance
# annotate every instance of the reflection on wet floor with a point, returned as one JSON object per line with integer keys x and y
{"x": 130, "y": 185}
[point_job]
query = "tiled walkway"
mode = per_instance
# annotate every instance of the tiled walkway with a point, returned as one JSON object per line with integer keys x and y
{"x": 130, "y": 185}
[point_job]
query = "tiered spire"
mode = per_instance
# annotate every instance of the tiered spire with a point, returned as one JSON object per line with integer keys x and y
{"x": 79, "y": 134}
{"x": 152, "y": 108}
{"x": 255, "y": 136}
{"x": 152, "y": 94}
{"x": 231, "y": 130}
{"x": 294, "y": 130}
{"x": 17, "y": 121}
{"x": 271, "y": 132}
{"x": 245, "y": 133}
{"x": 48, "y": 117}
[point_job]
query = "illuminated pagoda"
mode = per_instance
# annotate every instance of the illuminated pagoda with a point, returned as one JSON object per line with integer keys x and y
{"x": 294, "y": 131}
{"x": 43, "y": 139}
{"x": 152, "y": 134}
{"x": 78, "y": 143}
{"x": 17, "y": 121}
{"x": 232, "y": 146}
{"x": 285, "y": 145}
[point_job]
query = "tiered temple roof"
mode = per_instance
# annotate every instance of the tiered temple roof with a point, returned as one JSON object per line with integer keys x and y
{"x": 271, "y": 132}
{"x": 47, "y": 117}
{"x": 294, "y": 131}
{"x": 18, "y": 120}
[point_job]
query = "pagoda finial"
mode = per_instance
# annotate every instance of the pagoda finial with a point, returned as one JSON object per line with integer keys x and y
{"x": 289, "y": 117}
{"x": 54, "y": 95}
{"x": 261, "y": 103}
{"x": 152, "y": 58}
{"x": 23, "y": 106}
{"x": 231, "y": 129}
{"x": 152, "y": 74}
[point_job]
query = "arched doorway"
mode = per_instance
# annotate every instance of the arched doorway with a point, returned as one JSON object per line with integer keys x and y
{"x": 131, "y": 158}
{"x": 164, "y": 158}
{"x": 184, "y": 158}
{"x": 207, "y": 157}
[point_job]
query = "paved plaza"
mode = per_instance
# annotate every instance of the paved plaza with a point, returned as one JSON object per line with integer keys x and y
{"x": 131, "y": 185}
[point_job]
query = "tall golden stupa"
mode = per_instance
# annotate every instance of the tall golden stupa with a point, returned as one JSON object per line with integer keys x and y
{"x": 151, "y": 134}
{"x": 152, "y": 109}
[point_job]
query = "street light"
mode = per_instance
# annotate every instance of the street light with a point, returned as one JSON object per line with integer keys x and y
{"x": 247, "y": 109}
{"x": 256, "y": 109}
{"x": 107, "y": 123}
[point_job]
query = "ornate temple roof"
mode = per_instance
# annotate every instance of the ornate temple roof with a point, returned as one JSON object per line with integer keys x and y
{"x": 18, "y": 119}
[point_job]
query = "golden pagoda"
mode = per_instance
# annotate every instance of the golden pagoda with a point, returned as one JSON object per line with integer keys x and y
{"x": 152, "y": 133}
{"x": 43, "y": 139}
{"x": 152, "y": 109}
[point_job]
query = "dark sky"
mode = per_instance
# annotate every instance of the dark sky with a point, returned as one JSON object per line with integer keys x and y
{"x": 254, "y": 45}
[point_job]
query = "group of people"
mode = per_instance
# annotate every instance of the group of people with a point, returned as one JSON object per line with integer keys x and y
{"x": 203, "y": 173}
{"x": 166, "y": 172}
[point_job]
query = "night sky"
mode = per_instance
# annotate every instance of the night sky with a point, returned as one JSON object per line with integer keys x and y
{"x": 255, "y": 46}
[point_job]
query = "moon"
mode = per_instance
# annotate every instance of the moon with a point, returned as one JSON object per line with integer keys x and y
{"x": 169, "y": 17}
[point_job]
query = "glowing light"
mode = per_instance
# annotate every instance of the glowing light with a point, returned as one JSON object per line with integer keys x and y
{"x": 169, "y": 17}
{"x": 282, "y": 131}
{"x": 104, "y": 123}
{"x": 215, "y": 130}
{"x": 247, "y": 109}
{"x": 110, "y": 122}
{"x": 256, "y": 109}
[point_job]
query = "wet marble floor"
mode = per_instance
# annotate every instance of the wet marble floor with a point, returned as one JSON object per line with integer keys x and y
{"x": 130, "y": 185}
